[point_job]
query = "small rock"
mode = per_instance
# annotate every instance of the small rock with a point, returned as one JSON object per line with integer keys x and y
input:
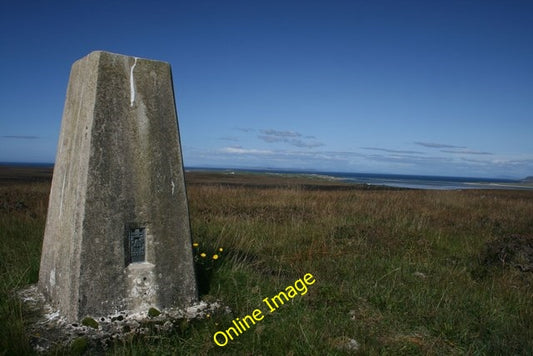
{"x": 419, "y": 274}
{"x": 352, "y": 314}
{"x": 352, "y": 345}
{"x": 344, "y": 343}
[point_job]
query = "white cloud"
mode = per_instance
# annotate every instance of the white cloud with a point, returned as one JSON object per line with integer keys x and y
{"x": 243, "y": 151}
{"x": 289, "y": 137}
{"x": 245, "y": 129}
{"x": 466, "y": 152}
{"x": 271, "y": 132}
{"x": 436, "y": 145}
{"x": 391, "y": 150}
{"x": 271, "y": 139}
{"x": 234, "y": 139}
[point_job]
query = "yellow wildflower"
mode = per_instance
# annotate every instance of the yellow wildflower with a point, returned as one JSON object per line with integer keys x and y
{"x": 195, "y": 244}
{"x": 203, "y": 255}
{"x": 215, "y": 257}
{"x": 221, "y": 249}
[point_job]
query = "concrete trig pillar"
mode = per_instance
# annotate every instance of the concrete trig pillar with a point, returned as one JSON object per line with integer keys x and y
{"x": 117, "y": 233}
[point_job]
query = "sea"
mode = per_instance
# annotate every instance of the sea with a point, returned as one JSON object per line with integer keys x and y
{"x": 389, "y": 180}
{"x": 429, "y": 182}
{"x": 398, "y": 180}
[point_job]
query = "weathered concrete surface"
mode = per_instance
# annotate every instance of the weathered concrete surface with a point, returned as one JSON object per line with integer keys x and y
{"x": 47, "y": 330}
{"x": 118, "y": 166}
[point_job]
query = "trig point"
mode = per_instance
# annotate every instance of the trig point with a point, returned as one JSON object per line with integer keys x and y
{"x": 117, "y": 234}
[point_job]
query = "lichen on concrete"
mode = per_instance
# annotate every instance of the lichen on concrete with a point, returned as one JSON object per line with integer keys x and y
{"x": 48, "y": 329}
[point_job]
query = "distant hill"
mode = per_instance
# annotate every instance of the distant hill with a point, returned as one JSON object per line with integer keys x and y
{"x": 528, "y": 179}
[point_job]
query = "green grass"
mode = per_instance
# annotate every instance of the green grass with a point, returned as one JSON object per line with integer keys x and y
{"x": 401, "y": 272}
{"x": 22, "y": 219}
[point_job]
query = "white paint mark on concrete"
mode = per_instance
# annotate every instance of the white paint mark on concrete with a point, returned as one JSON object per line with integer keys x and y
{"x": 173, "y": 186}
{"x": 132, "y": 83}
{"x": 53, "y": 277}
{"x": 62, "y": 196}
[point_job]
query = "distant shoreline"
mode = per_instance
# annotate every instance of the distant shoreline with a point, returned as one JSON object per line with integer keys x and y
{"x": 32, "y": 172}
{"x": 26, "y": 164}
{"x": 386, "y": 180}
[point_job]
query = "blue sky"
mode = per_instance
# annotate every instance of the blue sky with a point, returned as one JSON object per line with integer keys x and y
{"x": 412, "y": 87}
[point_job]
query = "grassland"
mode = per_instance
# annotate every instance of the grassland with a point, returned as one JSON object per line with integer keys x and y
{"x": 399, "y": 271}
